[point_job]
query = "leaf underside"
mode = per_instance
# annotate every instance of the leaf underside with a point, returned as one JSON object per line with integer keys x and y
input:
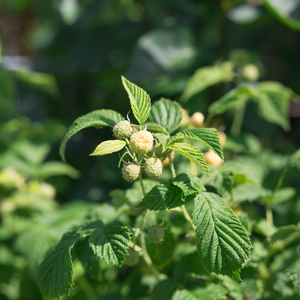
{"x": 96, "y": 118}
{"x": 108, "y": 147}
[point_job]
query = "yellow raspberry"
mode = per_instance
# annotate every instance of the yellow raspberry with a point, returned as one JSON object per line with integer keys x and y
{"x": 250, "y": 72}
{"x": 222, "y": 138}
{"x": 212, "y": 158}
{"x": 153, "y": 167}
{"x": 131, "y": 172}
{"x": 141, "y": 142}
{"x": 197, "y": 119}
{"x": 122, "y": 130}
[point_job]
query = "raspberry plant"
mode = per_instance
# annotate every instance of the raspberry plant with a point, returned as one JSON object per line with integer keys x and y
{"x": 222, "y": 241}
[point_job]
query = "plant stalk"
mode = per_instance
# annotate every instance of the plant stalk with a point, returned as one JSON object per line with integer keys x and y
{"x": 238, "y": 119}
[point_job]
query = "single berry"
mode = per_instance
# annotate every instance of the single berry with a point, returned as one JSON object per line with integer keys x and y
{"x": 222, "y": 138}
{"x": 197, "y": 119}
{"x": 122, "y": 130}
{"x": 135, "y": 211}
{"x": 153, "y": 167}
{"x": 156, "y": 234}
{"x": 131, "y": 171}
{"x": 166, "y": 161}
{"x": 141, "y": 142}
{"x": 132, "y": 258}
{"x": 212, "y": 158}
{"x": 250, "y": 72}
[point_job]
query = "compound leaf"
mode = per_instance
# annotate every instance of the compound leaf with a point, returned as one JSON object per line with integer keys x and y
{"x": 163, "y": 196}
{"x": 193, "y": 154}
{"x": 166, "y": 113}
{"x": 111, "y": 242}
{"x": 223, "y": 243}
{"x": 108, "y": 147}
{"x": 55, "y": 273}
{"x": 96, "y": 118}
{"x": 208, "y": 136}
{"x": 139, "y": 100}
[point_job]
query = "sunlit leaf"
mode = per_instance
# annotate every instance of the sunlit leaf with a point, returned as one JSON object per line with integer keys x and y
{"x": 139, "y": 100}
{"x": 108, "y": 147}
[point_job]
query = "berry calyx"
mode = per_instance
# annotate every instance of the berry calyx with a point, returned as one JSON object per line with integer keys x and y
{"x": 132, "y": 258}
{"x": 156, "y": 234}
{"x": 131, "y": 171}
{"x": 153, "y": 167}
{"x": 122, "y": 130}
{"x": 141, "y": 142}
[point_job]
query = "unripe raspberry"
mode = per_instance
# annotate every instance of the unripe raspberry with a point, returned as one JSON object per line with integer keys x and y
{"x": 212, "y": 158}
{"x": 131, "y": 171}
{"x": 250, "y": 72}
{"x": 132, "y": 258}
{"x": 156, "y": 234}
{"x": 141, "y": 142}
{"x": 197, "y": 119}
{"x": 122, "y": 130}
{"x": 135, "y": 211}
{"x": 153, "y": 167}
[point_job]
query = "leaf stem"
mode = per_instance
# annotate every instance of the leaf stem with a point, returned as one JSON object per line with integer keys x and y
{"x": 238, "y": 119}
{"x": 183, "y": 209}
{"x": 269, "y": 214}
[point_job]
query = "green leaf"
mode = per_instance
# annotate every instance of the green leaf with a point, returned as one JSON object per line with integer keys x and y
{"x": 163, "y": 138}
{"x": 34, "y": 242}
{"x": 210, "y": 291}
{"x": 153, "y": 127}
{"x": 274, "y": 110}
{"x": 293, "y": 273}
{"x": 232, "y": 99}
{"x": 55, "y": 274}
{"x": 282, "y": 9}
{"x": 57, "y": 168}
{"x": 139, "y": 100}
{"x": 96, "y": 118}
{"x": 108, "y": 147}
{"x": 223, "y": 243}
{"x": 248, "y": 192}
{"x": 189, "y": 184}
{"x": 206, "y": 77}
{"x": 7, "y": 94}
{"x": 163, "y": 196}
{"x": 165, "y": 290}
{"x": 234, "y": 288}
{"x": 193, "y": 154}
{"x": 110, "y": 242}
{"x": 207, "y": 136}
{"x": 166, "y": 113}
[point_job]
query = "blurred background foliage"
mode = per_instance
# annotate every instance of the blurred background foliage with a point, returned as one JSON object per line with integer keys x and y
{"x": 61, "y": 59}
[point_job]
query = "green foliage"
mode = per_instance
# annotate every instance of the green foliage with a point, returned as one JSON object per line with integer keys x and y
{"x": 166, "y": 113}
{"x": 108, "y": 147}
{"x": 223, "y": 243}
{"x": 97, "y": 118}
{"x": 111, "y": 242}
{"x": 139, "y": 100}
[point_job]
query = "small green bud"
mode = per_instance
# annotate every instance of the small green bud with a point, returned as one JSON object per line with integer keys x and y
{"x": 122, "y": 130}
{"x": 132, "y": 258}
{"x": 131, "y": 171}
{"x": 153, "y": 167}
{"x": 156, "y": 234}
{"x": 141, "y": 142}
